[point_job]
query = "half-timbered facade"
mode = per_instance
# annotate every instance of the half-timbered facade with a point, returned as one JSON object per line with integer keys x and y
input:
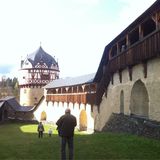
{"x": 37, "y": 70}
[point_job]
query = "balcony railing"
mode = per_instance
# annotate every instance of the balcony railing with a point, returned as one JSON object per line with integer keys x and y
{"x": 74, "y": 98}
{"x": 35, "y": 81}
{"x": 143, "y": 50}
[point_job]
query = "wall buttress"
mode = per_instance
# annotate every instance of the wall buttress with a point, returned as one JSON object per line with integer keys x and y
{"x": 130, "y": 72}
{"x": 145, "y": 69}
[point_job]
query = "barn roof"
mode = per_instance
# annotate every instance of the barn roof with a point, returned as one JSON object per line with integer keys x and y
{"x": 14, "y": 104}
{"x": 71, "y": 81}
{"x": 1, "y": 104}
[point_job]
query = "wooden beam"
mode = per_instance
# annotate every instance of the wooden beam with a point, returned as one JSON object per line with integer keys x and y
{"x": 145, "y": 69}
{"x": 120, "y": 76}
{"x": 130, "y": 72}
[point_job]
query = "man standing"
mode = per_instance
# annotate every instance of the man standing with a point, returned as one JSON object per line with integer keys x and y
{"x": 40, "y": 130}
{"x": 66, "y": 125}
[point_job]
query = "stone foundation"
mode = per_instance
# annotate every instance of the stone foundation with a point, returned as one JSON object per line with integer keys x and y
{"x": 121, "y": 123}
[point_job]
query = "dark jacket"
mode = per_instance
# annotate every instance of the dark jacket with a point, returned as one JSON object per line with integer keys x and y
{"x": 66, "y": 125}
{"x": 40, "y": 128}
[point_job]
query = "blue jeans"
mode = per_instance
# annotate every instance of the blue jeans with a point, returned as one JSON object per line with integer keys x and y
{"x": 64, "y": 141}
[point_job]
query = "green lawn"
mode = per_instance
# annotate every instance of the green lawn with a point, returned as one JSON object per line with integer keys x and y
{"x": 20, "y": 142}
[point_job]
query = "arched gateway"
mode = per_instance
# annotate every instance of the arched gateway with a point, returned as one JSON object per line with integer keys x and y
{"x": 43, "y": 116}
{"x": 83, "y": 120}
{"x": 139, "y": 104}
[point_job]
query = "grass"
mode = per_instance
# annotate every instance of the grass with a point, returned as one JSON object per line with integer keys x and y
{"x": 20, "y": 142}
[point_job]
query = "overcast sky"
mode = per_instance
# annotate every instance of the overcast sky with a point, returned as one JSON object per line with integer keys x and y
{"x": 74, "y": 31}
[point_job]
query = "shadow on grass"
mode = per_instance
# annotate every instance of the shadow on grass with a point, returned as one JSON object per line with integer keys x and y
{"x": 20, "y": 141}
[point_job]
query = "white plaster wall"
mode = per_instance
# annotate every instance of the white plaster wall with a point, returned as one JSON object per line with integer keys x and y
{"x": 75, "y": 112}
{"x": 40, "y": 109}
{"x": 55, "y": 110}
{"x": 49, "y": 110}
{"x": 90, "y": 120}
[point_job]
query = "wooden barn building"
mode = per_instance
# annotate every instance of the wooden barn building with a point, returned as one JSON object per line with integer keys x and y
{"x": 10, "y": 109}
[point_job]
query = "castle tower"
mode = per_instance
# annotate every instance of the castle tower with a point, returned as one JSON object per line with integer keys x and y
{"x": 37, "y": 70}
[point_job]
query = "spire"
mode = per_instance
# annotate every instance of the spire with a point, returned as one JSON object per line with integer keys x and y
{"x": 40, "y": 47}
{"x": 40, "y": 43}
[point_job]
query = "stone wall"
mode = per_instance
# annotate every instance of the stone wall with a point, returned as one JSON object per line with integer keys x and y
{"x": 121, "y": 123}
{"x": 138, "y": 96}
{"x": 30, "y": 96}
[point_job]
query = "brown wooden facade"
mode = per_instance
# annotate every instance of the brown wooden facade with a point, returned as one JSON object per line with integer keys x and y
{"x": 138, "y": 43}
{"x": 39, "y": 76}
{"x": 75, "y": 94}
